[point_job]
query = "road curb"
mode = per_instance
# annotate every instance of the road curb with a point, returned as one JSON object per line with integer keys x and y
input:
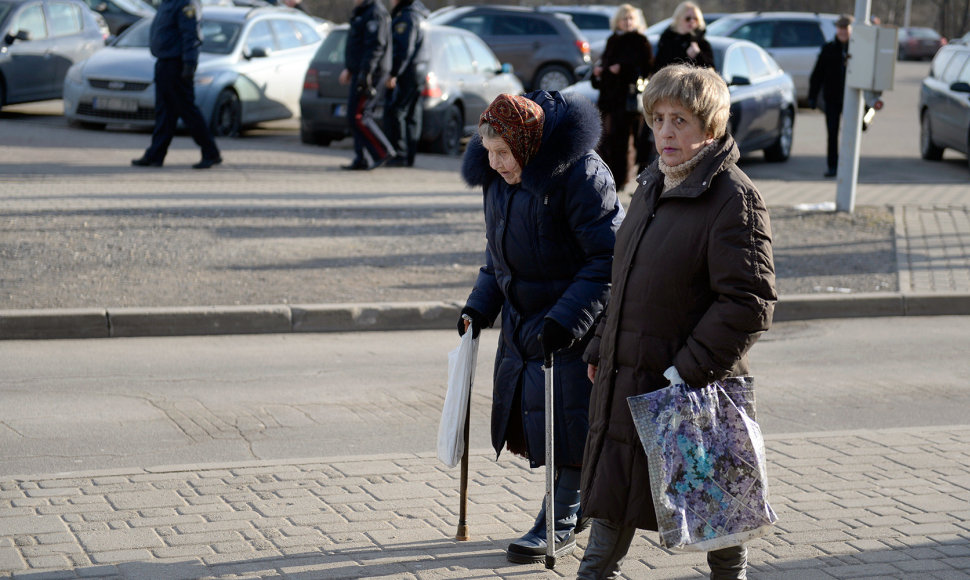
{"x": 391, "y": 316}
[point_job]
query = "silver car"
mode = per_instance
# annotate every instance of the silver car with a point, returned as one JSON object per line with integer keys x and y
{"x": 793, "y": 39}
{"x": 250, "y": 70}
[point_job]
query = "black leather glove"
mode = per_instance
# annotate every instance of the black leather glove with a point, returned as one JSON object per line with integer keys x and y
{"x": 478, "y": 321}
{"x": 365, "y": 86}
{"x": 554, "y": 337}
{"x": 188, "y": 72}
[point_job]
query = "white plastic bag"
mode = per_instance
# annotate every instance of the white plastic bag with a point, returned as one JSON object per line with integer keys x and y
{"x": 461, "y": 375}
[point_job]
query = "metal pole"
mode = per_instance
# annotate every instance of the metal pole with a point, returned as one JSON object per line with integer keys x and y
{"x": 550, "y": 469}
{"x": 848, "y": 170}
{"x": 909, "y": 6}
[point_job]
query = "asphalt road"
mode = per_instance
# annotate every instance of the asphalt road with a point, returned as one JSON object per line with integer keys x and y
{"x": 98, "y": 404}
{"x": 71, "y": 405}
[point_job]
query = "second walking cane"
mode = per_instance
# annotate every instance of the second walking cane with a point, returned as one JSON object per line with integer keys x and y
{"x": 550, "y": 468}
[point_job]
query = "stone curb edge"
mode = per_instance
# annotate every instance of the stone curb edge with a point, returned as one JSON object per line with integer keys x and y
{"x": 263, "y": 464}
{"x": 355, "y": 317}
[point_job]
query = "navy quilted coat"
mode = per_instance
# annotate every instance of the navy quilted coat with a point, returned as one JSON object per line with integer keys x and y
{"x": 549, "y": 253}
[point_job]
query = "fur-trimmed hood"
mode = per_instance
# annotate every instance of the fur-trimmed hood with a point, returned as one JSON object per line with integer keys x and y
{"x": 571, "y": 129}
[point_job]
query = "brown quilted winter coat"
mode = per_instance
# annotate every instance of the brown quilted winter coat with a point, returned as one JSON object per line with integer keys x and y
{"x": 693, "y": 286}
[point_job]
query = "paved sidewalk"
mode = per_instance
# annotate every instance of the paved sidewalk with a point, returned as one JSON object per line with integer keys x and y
{"x": 892, "y": 503}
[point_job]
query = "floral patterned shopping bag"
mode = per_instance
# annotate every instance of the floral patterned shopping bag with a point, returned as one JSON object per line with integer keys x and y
{"x": 706, "y": 460}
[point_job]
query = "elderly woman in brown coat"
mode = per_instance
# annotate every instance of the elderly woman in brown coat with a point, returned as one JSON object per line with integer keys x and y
{"x": 693, "y": 289}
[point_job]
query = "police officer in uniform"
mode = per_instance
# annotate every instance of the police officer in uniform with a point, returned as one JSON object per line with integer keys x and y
{"x": 368, "y": 58}
{"x": 175, "y": 41}
{"x": 409, "y": 68}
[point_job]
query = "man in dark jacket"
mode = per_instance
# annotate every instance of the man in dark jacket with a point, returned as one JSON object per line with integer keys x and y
{"x": 409, "y": 67}
{"x": 175, "y": 40}
{"x": 828, "y": 76}
{"x": 367, "y": 60}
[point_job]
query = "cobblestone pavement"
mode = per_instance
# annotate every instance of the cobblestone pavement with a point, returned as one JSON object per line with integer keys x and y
{"x": 889, "y": 503}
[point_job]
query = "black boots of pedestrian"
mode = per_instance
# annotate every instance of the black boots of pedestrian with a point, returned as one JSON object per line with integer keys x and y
{"x": 531, "y": 548}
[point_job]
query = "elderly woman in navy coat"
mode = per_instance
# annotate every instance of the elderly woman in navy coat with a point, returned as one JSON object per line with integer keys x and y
{"x": 551, "y": 214}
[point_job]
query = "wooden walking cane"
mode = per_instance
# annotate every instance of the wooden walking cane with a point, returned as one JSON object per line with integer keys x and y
{"x": 462, "y": 534}
{"x": 550, "y": 469}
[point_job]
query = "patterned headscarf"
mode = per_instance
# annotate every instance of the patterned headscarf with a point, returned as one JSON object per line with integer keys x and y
{"x": 519, "y": 121}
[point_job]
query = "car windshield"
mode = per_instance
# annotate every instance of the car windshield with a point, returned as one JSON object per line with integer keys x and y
{"x": 217, "y": 37}
{"x": 136, "y": 6}
{"x": 722, "y": 26}
{"x": 923, "y": 33}
{"x": 4, "y": 8}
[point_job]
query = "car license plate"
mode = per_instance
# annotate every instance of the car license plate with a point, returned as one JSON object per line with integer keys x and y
{"x": 340, "y": 110}
{"x": 115, "y": 104}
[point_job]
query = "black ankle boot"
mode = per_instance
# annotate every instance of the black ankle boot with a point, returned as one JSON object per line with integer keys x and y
{"x": 531, "y": 547}
{"x": 608, "y": 545}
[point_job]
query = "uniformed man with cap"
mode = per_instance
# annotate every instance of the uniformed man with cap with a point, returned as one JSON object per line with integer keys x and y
{"x": 367, "y": 61}
{"x": 409, "y": 69}
{"x": 175, "y": 41}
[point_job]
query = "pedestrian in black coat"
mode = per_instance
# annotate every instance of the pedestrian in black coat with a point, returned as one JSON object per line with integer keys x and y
{"x": 367, "y": 61}
{"x": 828, "y": 77}
{"x": 174, "y": 40}
{"x": 409, "y": 70}
{"x": 683, "y": 42}
{"x": 551, "y": 213}
{"x": 627, "y": 58}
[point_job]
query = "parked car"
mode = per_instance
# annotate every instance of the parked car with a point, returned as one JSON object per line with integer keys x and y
{"x": 944, "y": 104}
{"x": 120, "y": 14}
{"x": 463, "y": 79}
{"x": 39, "y": 41}
{"x": 918, "y": 43}
{"x": 250, "y": 70}
{"x": 594, "y": 22}
{"x": 793, "y": 39}
{"x": 544, "y": 48}
{"x": 762, "y": 97}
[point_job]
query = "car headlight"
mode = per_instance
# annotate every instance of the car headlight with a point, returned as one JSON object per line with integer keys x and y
{"x": 74, "y": 75}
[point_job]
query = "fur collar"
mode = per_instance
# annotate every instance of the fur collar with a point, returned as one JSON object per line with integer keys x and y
{"x": 571, "y": 129}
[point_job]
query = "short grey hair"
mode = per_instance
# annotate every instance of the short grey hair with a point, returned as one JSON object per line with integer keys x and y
{"x": 699, "y": 89}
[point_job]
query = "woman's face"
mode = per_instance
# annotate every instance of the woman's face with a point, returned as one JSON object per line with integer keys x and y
{"x": 627, "y": 22}
{"x": 687, "y": 21}
{"x": 500, "y": 159}
{"x": 678, "y": 132}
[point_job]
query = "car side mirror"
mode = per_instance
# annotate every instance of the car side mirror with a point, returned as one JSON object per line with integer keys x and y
{"x": 22, "y": 35}
{"x": 259, "y": 52}
{"x": 740, "y": 81}
{"x": 960, "y": 87}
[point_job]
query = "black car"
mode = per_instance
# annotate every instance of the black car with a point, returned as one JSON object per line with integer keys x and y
{"x": 39, "y": 41}
{"x": 944, "y": 104}
{"x": 762, "y": 97}
{"x": 544, "y": 48}
{"x": 464, "y": 78}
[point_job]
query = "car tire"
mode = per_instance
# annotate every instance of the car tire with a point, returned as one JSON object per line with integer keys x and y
{"x": 927, "y": 148}
{"x": 449, "y": 141}
{"x": 227, "y": 115}
{"x": 553, "y": 77}
{"x": 780, "y": 150}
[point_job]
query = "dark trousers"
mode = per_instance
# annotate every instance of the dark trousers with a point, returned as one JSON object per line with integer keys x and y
{"x": 614, "y": 148}
{"x": 174, "y": 100}
{"x": 832, "y": 118}
{"x": 609, "y": 543}
{"x": 368, "y": 136}
{"x": 403, "y": 115}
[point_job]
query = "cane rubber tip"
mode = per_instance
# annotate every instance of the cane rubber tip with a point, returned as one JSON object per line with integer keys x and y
{"x": 462, "y": 535}
{"x": 550, "y": 562}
